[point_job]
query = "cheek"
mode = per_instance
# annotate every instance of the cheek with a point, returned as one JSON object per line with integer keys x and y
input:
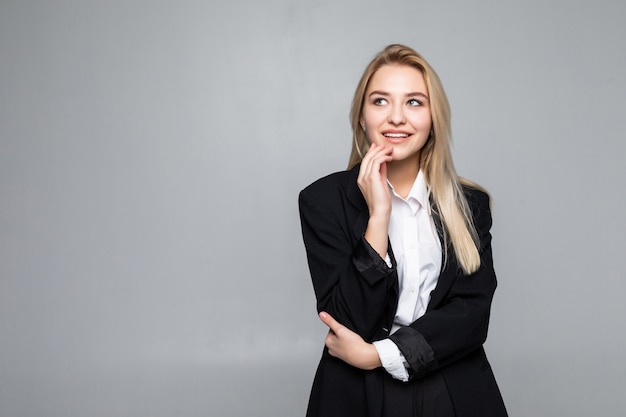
{"x": 422, "y": 122}
{"x": 369, "y": 137}
{"x": 372, "y": 118}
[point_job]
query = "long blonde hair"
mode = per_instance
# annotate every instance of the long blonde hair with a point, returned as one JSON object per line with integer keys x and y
{"x": 443, "y": 183}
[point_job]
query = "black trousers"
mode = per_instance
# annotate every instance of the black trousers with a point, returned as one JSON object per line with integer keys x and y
{"x": 426, "y": 397}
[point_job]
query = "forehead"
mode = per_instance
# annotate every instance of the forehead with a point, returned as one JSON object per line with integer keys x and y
{"x": 397, "y": 78}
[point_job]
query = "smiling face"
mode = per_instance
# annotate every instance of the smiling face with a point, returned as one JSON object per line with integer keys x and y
{"x": 396, "y": 111}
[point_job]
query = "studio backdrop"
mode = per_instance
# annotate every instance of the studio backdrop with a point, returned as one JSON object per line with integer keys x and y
{"x": 152, "y": 152}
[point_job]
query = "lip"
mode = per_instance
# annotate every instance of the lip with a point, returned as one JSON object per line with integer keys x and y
{"x": 396, "y": 136}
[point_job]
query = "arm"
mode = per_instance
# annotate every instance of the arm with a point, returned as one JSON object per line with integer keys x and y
{"x": 373, "y": 184}
{"x": 444, "y": 334}
{"x": 349, "y": 346}
{"x": 458, "y": 325}
{"x": 351, "y": 280}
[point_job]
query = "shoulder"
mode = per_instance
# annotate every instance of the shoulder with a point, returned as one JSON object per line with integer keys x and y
{"x": 476, "y": 196}
{"x": 337, "y": 183}
{"x": 478, "y": 201}
{"x": 474, "y": 193}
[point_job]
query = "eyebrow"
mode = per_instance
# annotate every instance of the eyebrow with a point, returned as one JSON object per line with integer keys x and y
{"x": 383, "y": 93}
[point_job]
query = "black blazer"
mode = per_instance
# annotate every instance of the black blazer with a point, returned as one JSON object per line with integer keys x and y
{"x": 355, "y": 285}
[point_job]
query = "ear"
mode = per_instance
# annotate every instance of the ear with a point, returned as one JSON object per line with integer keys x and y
{"x": 362, "y": 123}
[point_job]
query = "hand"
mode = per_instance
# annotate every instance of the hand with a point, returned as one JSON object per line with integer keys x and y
{"x": 372, "y": 180}
{"x": 348, "y": 346}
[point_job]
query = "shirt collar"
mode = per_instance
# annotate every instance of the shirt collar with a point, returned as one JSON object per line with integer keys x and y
{"x": 418, "y": 193}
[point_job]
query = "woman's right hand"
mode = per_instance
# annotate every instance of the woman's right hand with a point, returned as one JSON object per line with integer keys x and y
{"x": 372, "y": 181}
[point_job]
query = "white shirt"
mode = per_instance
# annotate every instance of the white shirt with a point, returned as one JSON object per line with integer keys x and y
{"x": 417, "y": 250}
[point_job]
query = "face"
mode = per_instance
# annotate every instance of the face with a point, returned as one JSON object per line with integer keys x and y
{"x": 396, "y": 111}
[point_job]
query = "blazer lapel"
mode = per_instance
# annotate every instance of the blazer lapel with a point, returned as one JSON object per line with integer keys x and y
{"x": 449, "y": 267}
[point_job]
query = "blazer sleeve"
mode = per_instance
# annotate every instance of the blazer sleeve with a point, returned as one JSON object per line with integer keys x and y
{"x": 351, "y": 281}
{"x": 458, "y": 325}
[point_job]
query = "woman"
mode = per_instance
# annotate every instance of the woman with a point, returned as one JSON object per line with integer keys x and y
{"x": 399, "y": 251}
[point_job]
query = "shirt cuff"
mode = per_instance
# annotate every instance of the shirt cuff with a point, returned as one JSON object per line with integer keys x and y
{"x": 392, "y": 359}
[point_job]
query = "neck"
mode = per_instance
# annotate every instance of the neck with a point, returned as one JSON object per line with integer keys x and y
{"x": 402, "y": 174}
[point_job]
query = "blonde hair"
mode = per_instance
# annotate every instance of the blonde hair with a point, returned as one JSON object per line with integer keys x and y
{"x": 445, "y": 186}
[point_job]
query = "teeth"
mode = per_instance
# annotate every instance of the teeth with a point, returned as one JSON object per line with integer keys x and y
{"x": 396, "y": 135}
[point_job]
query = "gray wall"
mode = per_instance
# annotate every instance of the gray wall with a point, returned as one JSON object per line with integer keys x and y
{"x": 151, "y": 153}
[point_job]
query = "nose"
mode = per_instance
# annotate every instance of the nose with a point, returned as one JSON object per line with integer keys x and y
{"x": 396, "y": 115}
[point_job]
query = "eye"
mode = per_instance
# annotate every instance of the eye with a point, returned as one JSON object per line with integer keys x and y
{"x": 414, "y": 102}
{"x": 380, "y": 101}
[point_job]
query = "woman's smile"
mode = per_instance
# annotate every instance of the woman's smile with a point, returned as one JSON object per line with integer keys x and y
{"x": 396, "y": 137}
{"x": 396, "y": 111}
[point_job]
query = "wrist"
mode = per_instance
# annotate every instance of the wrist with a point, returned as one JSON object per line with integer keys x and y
{"x": 378, "y": 223}
{"x": 372, "y": 358}
{"x": 380, "y": 215}
{"x": 376, "y": 234}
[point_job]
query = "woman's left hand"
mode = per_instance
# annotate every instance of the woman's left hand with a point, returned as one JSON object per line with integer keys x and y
{"x": 348, "y": 346}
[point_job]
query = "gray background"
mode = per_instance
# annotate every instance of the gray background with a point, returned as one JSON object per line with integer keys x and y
{"x": 151, "y": 154}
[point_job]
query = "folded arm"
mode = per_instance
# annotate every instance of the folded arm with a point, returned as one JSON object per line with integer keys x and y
{"x": 351, "y": 281}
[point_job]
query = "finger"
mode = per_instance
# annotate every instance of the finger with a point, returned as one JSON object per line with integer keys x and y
{"x": 374, "y": 169}
{"x": 380, "y": 153}
{"x": 366, "y": 161}
{"x": 330, "y": 339}
{"x": 330, "y": 343}
{"x": 328, "y": 320}
{"x": 375, "y": 157}
{"x": 383, "y": 171}
{"x": 376, "y": 152}
{"x": 372, "y": 152}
